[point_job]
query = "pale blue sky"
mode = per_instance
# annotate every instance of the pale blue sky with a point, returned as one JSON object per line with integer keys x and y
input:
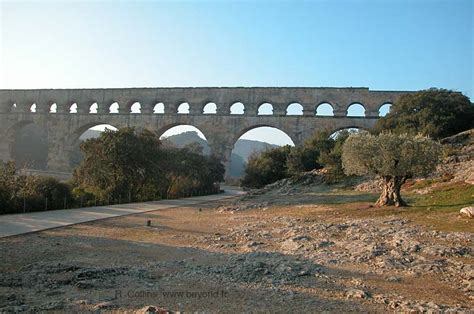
{"x": 381, "y": 44}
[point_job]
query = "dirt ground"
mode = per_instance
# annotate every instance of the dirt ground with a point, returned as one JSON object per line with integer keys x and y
{"x": 294, "y": 256}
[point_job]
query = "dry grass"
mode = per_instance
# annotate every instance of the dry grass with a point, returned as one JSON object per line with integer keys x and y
{"x": 438, "y": 209}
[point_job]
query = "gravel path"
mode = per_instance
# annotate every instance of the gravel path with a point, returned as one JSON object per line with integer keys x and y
{"x": 30, "y": 222}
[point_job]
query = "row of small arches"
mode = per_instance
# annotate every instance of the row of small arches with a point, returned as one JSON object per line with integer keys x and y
{"x": 323, "y": 109}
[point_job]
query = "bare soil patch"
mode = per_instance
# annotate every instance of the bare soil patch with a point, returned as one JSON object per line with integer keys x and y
{"x": 299, "y": 252}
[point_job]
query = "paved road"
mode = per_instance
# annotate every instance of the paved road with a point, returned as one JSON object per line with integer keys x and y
{"x": 30, "y": 222}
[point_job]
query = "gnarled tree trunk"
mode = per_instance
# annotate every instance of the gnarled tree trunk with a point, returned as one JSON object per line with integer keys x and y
{"x": 391, "y": 192}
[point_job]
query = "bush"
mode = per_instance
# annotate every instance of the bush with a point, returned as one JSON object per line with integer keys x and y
{"x": 122, "y": 165}
{"x": 266, "y": 167}
{"x": 51, "y": 192}
{"x": 306, "y": 157}
{"x": 191, "y": 173}
{"x": 436, "y": 113}
{"x": 321, "y": 150}
{"x": 332, "y": 159}
{"x": 30, "y": 193}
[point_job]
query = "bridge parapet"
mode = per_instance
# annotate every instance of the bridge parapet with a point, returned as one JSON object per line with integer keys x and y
{"x": 339, "y": 98}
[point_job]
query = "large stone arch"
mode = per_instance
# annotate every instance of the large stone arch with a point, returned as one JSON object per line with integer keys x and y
{"x": 219, "y": 143}
{"x": 223, "y": 148}
{"x": 75, "y": 134}
{"x": 70, "y": 144}
{"x": 242, "y": 131}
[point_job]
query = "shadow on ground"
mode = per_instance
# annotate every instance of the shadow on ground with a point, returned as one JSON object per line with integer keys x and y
{"x": 64, "y": 272}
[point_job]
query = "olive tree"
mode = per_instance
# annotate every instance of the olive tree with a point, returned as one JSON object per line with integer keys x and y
{"x": 394, "y": 158}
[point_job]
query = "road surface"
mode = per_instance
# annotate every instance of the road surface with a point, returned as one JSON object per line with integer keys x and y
{"x": 29, "y": 222}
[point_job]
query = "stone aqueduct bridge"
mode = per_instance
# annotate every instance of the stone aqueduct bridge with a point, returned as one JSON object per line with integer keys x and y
{"x": 221, "y": 129}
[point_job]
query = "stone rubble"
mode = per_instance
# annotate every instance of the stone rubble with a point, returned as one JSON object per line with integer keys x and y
{"x": 300, "y": 253}
{"x": 388, "y": 245}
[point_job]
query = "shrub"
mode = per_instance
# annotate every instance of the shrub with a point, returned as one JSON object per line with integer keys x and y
{"x": 266, "y": 167}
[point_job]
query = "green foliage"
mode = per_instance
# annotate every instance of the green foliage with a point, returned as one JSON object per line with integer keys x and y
{"x": 8, "y": 186}
{"x": 393, "y": 157}
{"x": 449, "y": 150}
{"x": 390, "y": 154}
{"x": 118, "y": 166}
{"x": 51, "y": 189}
{"x": 437, "y": 113}
{"x": 119, "y": 163}
{"x": 124, "y": 164}
{"x": 84, "y": 198}
{"x": 267, "y": 167}
{"x": 332, "y": 159}
{"x": 190, "y": 171}
{"x": 37, "y": 193}
{"x": 306, "y": 157}
{"x": 321, "y": 150}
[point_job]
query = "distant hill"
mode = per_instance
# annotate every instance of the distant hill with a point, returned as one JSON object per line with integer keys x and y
{"x": 241, "y": 153}
{"x": 245, "y": 148}
{"x": 186, "y": 138}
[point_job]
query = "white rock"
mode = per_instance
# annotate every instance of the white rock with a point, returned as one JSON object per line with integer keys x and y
{"x": 467, "y": 211}
{"x": 290, "y": 245}
{"x": 356, "y": 294}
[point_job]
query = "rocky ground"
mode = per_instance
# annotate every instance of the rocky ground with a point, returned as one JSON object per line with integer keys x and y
{"x": 297, "y": 245}
{"x": 268, "y": 254}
